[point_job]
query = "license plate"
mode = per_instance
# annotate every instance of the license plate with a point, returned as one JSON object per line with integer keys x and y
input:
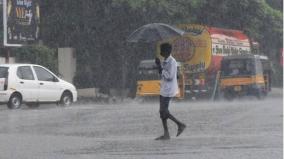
{"x": 237, "y": 88}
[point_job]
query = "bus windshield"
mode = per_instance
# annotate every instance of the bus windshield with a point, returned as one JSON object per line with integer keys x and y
{"x": 147, "y": 70}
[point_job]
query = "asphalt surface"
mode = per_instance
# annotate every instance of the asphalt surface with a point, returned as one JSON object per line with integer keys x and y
{"x": 242, "y": 129}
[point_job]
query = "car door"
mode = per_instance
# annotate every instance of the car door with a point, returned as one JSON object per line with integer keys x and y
{"x": 26, "y": 83}
{"x": 49, "y": 89}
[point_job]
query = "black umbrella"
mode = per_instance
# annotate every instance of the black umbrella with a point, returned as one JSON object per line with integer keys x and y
{"x": 154, "y": 32}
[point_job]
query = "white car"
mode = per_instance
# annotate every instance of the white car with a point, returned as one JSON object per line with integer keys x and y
{"x": 33, "y": 84}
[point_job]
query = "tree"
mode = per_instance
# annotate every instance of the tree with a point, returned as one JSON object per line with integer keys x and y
{"x": 98, "y": 30}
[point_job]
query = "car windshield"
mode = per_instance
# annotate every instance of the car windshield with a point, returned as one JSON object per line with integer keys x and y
{"x": 3, "y": 72}
{"x": 238, "y": 67}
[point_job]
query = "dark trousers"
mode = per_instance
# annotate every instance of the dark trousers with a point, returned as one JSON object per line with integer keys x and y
{"x": 164, "y": 107}
{"x": 165, "y": 114}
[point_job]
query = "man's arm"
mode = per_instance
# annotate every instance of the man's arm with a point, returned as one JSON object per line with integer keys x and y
{"x": 158, "y": 63}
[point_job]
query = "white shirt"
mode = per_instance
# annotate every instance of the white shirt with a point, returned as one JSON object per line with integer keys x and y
{"x": 169, "y": 85}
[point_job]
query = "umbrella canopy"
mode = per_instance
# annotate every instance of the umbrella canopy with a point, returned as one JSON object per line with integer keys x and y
{"x": 154, "y": 32}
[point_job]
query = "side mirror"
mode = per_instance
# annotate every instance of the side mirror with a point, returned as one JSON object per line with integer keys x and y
{"x": 55, "y": 79}
{"x": 60, "y": 75}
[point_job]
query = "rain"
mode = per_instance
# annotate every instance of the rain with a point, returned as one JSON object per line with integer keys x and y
{"x": 229, "y": 72}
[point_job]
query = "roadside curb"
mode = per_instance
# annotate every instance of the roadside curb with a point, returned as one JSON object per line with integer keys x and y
{"x": 276, "y": 92}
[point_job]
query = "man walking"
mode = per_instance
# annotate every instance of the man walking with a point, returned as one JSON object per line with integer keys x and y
{"x": 169, "y": 89}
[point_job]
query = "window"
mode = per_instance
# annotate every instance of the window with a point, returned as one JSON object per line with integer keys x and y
{"x": 43, "y": 75}
{"x": 238, "y": 67}
{"x": 25, "y": 72}
{"x": 3, "y": 72}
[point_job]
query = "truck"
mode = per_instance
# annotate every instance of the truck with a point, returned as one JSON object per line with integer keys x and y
{"x": 200, "y": 52}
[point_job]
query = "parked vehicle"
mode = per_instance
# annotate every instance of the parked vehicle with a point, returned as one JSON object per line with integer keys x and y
{"x": 200, "y": 52}
{"x": 33, "y": 84}
{"x": 148, "y": 83}
{"x": 245, "y": 75}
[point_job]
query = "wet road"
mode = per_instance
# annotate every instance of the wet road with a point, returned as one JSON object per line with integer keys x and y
{"x": 246, "y": 129}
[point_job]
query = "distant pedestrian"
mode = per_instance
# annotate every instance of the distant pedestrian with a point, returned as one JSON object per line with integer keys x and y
{"x": 169, "y": 89}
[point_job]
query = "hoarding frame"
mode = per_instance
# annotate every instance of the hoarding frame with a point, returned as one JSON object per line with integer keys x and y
{"x": 5, "y": 26}
{"x": 24, "y": 22}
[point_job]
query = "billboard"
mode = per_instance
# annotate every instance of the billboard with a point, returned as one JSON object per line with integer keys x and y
{"x": 21, "y": 22}
{"x": 229, "y": 42}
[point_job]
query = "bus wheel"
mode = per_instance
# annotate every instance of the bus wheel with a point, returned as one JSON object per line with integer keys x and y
{"x": 260, "y": 94}
{"x": 229, "y": 95}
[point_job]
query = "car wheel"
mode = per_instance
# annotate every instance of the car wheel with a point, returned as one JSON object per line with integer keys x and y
{"x": 15, "y": 101}
{"x": 66, "y": 99}
{"x": 33, "y": 105}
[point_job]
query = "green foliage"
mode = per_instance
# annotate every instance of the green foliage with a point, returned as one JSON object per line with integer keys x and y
{"x": 262, "y": 21}
{"x": 275, "y": 4}
{"x": 97, "y": 29}
{"x": 37, "y": 54}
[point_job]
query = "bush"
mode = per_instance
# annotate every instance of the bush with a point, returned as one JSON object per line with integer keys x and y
{"x": 37, "y": 54}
